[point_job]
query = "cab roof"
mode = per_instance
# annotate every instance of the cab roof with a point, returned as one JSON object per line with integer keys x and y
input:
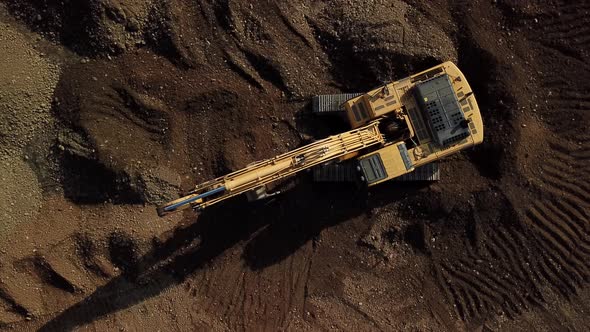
{"x": 440, "y": 106}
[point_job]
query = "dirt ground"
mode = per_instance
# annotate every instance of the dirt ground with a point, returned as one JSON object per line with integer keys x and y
{"x": 109, "y": 107}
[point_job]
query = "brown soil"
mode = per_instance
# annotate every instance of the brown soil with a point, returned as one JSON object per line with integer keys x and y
{"x": 110, "y": 107}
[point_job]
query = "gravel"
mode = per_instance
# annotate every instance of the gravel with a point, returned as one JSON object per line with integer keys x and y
{"x": 27, "y": 81}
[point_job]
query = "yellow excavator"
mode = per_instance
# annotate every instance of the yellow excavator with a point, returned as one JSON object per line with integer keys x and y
{"x": 397, "y": 129}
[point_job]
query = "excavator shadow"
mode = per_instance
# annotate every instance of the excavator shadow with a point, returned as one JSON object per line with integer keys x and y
{"x": 186, "y": 249}
{"x": 300, "y": 217}
{"x": 272, "y": 230}
{"x": 310, "y": 209}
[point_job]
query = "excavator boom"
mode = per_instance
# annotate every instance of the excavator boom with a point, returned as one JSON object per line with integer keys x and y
{"x": 266, "y": 171}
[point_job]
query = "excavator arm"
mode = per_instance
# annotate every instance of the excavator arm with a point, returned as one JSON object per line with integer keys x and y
{"x": 266, "y": 171}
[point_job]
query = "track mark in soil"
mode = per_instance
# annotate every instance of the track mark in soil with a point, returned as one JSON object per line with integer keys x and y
{"x": 568, "y": 107}
{"x": 240, "y": 302}
{"x": 566, "y": 31}
{"x": 564, "y": 38}
{"x": 509, "y": 266}
{"x": 492, "y": 277}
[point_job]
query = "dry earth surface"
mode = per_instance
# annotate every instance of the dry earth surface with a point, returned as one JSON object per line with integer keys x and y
{"x": 109, "y": 107}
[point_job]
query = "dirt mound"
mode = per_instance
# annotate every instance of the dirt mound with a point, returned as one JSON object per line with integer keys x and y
{"x": 90, "y": 27}
{"x": 136, "y": 123}
{"x": 27, "y": 80}
{"x": 26, "y": 88}
{"x": 378, "y": 42}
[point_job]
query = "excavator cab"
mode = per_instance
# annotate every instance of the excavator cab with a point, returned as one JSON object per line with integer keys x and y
{"x": 387, "y": 163}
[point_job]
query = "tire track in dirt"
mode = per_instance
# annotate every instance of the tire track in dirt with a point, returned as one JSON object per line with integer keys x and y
{"x": 477, "y": 286}
{"x": 560, "y": 222}
{"x": 565, "y": 30}
{"x": 510, "y": 267}
{"x": 515, "y": 261}
{"x": 564, "y": 35}
{"x": 251, "y": 296}
{"x": 518, "y": 267}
